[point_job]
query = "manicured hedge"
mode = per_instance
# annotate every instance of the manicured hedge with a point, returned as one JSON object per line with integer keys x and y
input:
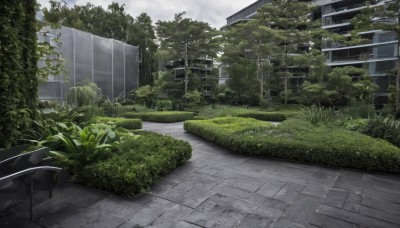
{"x": 301, "y": 141}
{"x": 130, "y": 124}
{"x": 142, "y": 162}
{"x": 265, "y": 116}
{"x": 201, "y": 118}
{"x": 161, "y": 117}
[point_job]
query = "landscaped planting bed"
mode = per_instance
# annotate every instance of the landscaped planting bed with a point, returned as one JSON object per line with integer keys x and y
{"x": 143, "y": 160}
{"x": 129, "y": 124}
{"x": 161, "y": 117}
{"x": 265, "y": 116}
{"x": 299, "y": 140}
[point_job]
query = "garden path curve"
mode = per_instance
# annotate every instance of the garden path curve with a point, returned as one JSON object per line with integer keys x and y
{"x": 217, "y": 188}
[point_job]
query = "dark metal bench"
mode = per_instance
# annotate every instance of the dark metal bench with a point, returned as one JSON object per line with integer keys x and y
{"x": 22, "y": 174}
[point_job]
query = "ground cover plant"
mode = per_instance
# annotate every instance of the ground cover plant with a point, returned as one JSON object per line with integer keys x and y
{"x": 161, "y": 117}
{"x": 299, "y": 140}
{"x": 127, "y": 123}
{"x": 272, "y": 114}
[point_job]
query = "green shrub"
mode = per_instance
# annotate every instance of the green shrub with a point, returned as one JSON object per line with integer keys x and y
{"x": 265, "y": 116}
{"x": 127, "y": 123}
{"x": 200, "y": 118}
{"x": 127, "y": 108}
{"x": 316, "y": 115}
{"x": 130, "y": 124}
{"x": 142, "y": 163}
{"x": 164, "y": 105}
{"x": 161, "y": 117}
{"x": 383, "y": 127}
{"x": 301, "y": 141}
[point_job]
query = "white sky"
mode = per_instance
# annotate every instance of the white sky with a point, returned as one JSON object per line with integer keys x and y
{"x": 214, "y": 12}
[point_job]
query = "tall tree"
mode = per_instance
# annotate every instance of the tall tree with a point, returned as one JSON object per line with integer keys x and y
{"x": 110, "y": 23}
{"x": 184, "y": 38}
{"x": 385, "y": 17}
{"x": 254, "y": 41}
{"x": 291, "y": 20}
{"x": 142, "y": 33}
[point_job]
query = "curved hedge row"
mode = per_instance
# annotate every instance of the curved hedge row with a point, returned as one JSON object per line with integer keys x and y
{"x": 265, "y": 116}
{"x": 129, "y": 124}
{"x": 161, "y": 117}
{"x": 143, "y": 162}
{"x": 299, "y": 140}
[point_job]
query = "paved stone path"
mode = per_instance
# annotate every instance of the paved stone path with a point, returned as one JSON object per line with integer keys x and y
{"x": 217, "y": 188}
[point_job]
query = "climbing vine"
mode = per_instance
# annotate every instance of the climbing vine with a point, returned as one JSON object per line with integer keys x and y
{"x": 18, "y": 68}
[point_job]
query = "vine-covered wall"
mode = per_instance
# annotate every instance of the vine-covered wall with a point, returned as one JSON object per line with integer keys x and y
{"x": 18, "y": 67}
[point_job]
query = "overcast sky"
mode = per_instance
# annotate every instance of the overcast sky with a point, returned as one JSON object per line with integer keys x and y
{"x": 214, "y": 12}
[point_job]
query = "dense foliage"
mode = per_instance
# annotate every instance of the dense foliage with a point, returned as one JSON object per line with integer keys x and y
{"x": 129, "y": 124}
{"x": 301, "y": 141}
{"x": 161, "y": 117}
{"x": 18, "y": 67}
{"x": 142, "y": 163}
{"x": 265, "y": 116}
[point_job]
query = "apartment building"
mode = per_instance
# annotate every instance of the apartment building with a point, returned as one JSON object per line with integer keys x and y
{"x": 378, "y": 53}
{"x": 203, "y": 69}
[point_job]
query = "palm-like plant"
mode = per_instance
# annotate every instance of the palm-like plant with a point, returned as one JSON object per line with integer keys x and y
{"x": 91, "y": 145}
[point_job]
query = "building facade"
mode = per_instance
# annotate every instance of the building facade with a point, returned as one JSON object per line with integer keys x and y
{"x": 378, "y": 54}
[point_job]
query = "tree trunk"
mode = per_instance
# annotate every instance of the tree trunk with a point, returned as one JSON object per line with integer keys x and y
{"x": 186, "y": 68}
{"x": 259, "y": 75}
{"x": 398, "y": 83}
{"x": 286, "y": 75}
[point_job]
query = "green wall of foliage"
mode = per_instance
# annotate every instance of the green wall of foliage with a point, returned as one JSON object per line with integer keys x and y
{"x": 18, "y": 67}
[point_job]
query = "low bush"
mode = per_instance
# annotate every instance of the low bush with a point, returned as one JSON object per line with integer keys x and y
{"x": 265, "y": 116}
{"x": 129, "y": 124}
{"x": 383, "y": 127}
{"x": 301, "y": 141}
{"x": 320, "y": 115}
{"x": 161, "y": 117}
{"x": 143, "y": 162}
{"x": 200, "y": 118}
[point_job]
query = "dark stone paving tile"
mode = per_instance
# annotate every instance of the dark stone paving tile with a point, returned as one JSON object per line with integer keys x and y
{"x": 382, "y": 215}
{"x": 354, "y": 218}
{"x": 374, "y": 194}
{"x": 335, "y": 198}
{"x": 315, "y": 189}
{"x": 118, "y": 207}
{"x": 270, "y": 188}
{"x": 74, "y": 216}
{"x": 323, "y": 221}
{"x": 286, "y": 224}
{"x": 81, "y": 195}
{"x": 17, "y": 223}
{"x": 353, "y": 202}
{"x": 183, "y": 224}
{"x": 289, "y": 192}
{"x": 254, "y": 220}
{"x": 272, "y": 208}
{"x": 352, "y": 183}
{"x": 381, "y": 205}
{"x": 149, "y": 214}
{"x": 241, "y": 194}
{"x": 302, "y": 209}
{"x": 225, "y": 211}
{"x": 170, "y": 218}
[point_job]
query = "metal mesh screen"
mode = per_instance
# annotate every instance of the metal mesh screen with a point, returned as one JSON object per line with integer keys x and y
{"x": 131, "y": 67}
{"x": 118, "y": 69}
{"x": 83, "y": 56}
{"x": 111, "y": 64}
{"x": 102, "y": 64}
